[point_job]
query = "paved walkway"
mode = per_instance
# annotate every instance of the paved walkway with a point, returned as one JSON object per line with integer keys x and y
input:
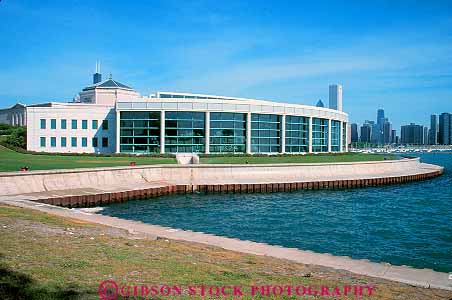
{"x": 417, "y": 277}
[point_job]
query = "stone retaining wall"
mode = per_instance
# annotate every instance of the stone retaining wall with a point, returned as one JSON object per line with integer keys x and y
{"x": 108, "y": 185}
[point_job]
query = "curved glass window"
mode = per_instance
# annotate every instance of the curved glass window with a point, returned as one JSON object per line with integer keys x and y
{"x": 297, "y": 131}
{"x": 139, "y": 131}
{"x": 184, "y": 132}
{"x": 319, "y": 135}
{"x": 227, "y": 132}
{"x": 265, "y": 133}
{"x": 335, "y": 136}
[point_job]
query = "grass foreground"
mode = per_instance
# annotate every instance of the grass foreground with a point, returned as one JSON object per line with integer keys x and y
{"x": 12, "y": 161}
{"x": 49, "y": 257}
{"x": 308, "y": 158}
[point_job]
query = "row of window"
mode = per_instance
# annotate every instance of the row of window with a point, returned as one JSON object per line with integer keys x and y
{"x": 74, "y": 124}
{"x": 74, "y": 141}
{"x": 185, "y": 132}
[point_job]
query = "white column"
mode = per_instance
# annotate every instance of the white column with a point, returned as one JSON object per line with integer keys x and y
{"x": 346, "y": 138}
{"x": 341, "y": 142}
{"x": 118, "y": 128}
{"x": 162, "y": 132}
{"x": 283, "y": 134}
{"x": 310, "y": 136}
{"x": 207, "y": 125}
{"x": 248, "y": 133}
{"x": 329, "y": 135}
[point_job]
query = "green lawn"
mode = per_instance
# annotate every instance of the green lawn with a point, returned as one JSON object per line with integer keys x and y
{"x": 48, "y": 257}
{"x": 13, "y": 161}
{"x": 309, "y": 158}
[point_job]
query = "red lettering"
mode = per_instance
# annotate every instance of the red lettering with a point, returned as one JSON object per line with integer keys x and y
{"x": 192, "y": 290}
{"x": 277, "y": 290}
{"x": 165, "y": 290}
{"x": 370, "y": 289}
{"x": 125, "y": 290}
{"x": 177, "y": 290}
{"x": 347, "y": 289}
{"x": 224, "y": 292}
{"x": 324, "y": 291}
{"x": 238, "y": 291}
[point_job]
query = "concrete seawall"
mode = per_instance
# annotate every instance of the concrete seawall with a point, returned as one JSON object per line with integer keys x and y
{"x": 88, "y": 187}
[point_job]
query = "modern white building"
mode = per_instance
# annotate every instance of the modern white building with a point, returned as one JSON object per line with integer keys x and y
{"x": 111, "y": 117}
{"x": 335, "y": 97}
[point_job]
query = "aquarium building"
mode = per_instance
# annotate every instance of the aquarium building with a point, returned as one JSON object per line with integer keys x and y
{"x": 110, "y": 117}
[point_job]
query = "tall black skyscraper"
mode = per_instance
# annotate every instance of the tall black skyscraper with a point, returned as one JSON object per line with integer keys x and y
{"x": 444, "y": 130}
{"x": 433, "y": 134}
{"x": 354, "y": 132}
{"x": 366, "y": 131}
{"x": 412, "y": 134}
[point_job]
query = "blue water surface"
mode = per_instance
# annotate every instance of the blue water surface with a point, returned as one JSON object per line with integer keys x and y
{"x": 406, "y": 224}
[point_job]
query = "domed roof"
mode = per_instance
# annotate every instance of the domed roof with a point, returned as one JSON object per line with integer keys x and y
{"x": 108, "y": 84}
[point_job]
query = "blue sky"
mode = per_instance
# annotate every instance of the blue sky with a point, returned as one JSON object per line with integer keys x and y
{"x": 391, "y": 54}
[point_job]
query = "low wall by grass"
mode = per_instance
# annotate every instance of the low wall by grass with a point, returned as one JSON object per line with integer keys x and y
{"x": 289, "y": 158}
{"x": 11, "y": 160}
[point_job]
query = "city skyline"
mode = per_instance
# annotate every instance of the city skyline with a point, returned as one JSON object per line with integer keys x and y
{"x": 290, "y": 52}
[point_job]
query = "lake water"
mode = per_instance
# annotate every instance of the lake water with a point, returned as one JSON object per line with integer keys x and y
{"x": 407, "y": 224}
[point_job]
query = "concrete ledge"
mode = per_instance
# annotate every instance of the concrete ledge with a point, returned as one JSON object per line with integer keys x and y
{"x": 417, "y": 277}
{"x": 16, "y": 183}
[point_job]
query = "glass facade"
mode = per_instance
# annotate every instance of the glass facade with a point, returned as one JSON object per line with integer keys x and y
{"x": 297, "y": 134}
{"x": 335, "y": 136}
{"x": 319, "y": 135}
{"x": 139, "y": 132}
{"x": 184, "y": 132}
{"x": 265, "y": 133}
{"x": 227, "y": 132}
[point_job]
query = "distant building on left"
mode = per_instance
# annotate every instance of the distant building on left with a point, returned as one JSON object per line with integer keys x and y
{"x": 15, "y": 115}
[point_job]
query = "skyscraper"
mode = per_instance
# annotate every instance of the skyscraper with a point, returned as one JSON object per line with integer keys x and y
{"x": 425, "y": 139}
{"x": 354, "y": 133}
{"x": 378, "y": 132}
{"x": 444, "y": 130}
{"x": 387, "y": 130}
{"x": 393, "y": 136}
{"x": 412, "y": 134}
{"x": 366, "y": 131}
{"x": 433, "y": 134}
{"x": 335, "y": 97}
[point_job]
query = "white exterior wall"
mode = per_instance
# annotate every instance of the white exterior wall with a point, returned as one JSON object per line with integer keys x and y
{"x": 71, "y": 112}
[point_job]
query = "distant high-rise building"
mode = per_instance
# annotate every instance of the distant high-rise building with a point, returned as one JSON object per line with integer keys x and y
{"x": 433, "y": 134}
{"x": 393, "y": 136}
{"x": 444, "y": 129}
{"x": 387, "y": 130}
{"x": 366, "y": 131}
{"x": 378, "y": 135}
{"x": 425, "y": 139}
{"x": 335, "y": 97}
{"x": 412, "y": 134}
{"x": 320, "y": 103}
{"x": 354, "y": 133}
{"x": 97, "y": 77}
{"x": 380, "y": 116}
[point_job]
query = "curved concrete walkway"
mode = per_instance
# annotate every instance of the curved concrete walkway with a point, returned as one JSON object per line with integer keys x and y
{"x": 418, "y": 277}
